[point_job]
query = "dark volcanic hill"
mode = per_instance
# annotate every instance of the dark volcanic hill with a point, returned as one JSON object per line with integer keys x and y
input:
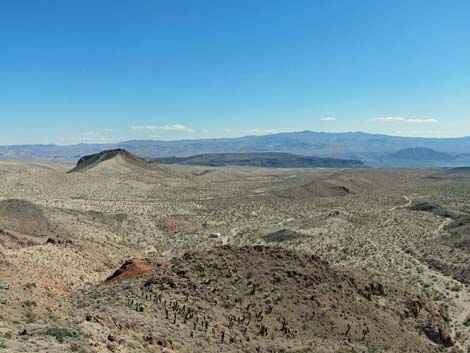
{"x": 266, "y": 160}
{"x": 131, "y": 160}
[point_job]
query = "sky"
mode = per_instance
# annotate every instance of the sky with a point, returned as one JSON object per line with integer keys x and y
{"x": 90, "y": 71}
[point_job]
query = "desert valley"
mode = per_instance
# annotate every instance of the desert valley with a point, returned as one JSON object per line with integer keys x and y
{"x": 234, "y": 176}
{"x": 119, "y": 254}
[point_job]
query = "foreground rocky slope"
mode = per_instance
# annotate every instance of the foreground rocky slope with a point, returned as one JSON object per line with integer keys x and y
{"x": 259, "y": 299}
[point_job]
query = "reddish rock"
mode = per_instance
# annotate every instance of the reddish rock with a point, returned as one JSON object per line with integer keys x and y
{"x": 133, "y": 268}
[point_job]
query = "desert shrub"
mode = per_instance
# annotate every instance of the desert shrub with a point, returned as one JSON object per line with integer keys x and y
{"x": 31, "y": 317}
{"x": 60, "y": 333}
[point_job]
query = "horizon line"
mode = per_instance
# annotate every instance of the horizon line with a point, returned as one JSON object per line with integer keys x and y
{"x": 238, "y": 137}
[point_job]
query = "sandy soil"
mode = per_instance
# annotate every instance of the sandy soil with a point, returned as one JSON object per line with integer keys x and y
{"x": 66, "y": 233}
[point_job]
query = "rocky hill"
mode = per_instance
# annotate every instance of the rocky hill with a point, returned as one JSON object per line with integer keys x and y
{"x": 94, "y": 160}
{"x": 24, "y": 224}
{"x": 260, "y": 299}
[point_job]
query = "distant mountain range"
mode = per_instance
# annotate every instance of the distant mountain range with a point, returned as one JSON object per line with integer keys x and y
{"x": 370, "y": 148}
{"x": 261, "y": 159}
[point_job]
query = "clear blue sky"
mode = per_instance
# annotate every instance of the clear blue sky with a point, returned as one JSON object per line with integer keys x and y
{"x": 98, "y": 71}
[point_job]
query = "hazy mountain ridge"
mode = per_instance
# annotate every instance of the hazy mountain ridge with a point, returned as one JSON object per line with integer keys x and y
{"x": 262, "y": 159}
{"x": 350, "y": 145}
{"x": 424, "y": 154}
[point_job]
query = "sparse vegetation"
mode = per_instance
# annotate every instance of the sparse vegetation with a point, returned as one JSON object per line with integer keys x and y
{"x": 356, "y": 220}
{"x": 29, "y": 303}
{"x": 60, "y": 333}
{"x": 30, "y": 285}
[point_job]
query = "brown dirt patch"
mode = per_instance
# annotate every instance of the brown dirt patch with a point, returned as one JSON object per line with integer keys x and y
{"x": 179, "y": 225}
{"x": 133, "y": 268}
